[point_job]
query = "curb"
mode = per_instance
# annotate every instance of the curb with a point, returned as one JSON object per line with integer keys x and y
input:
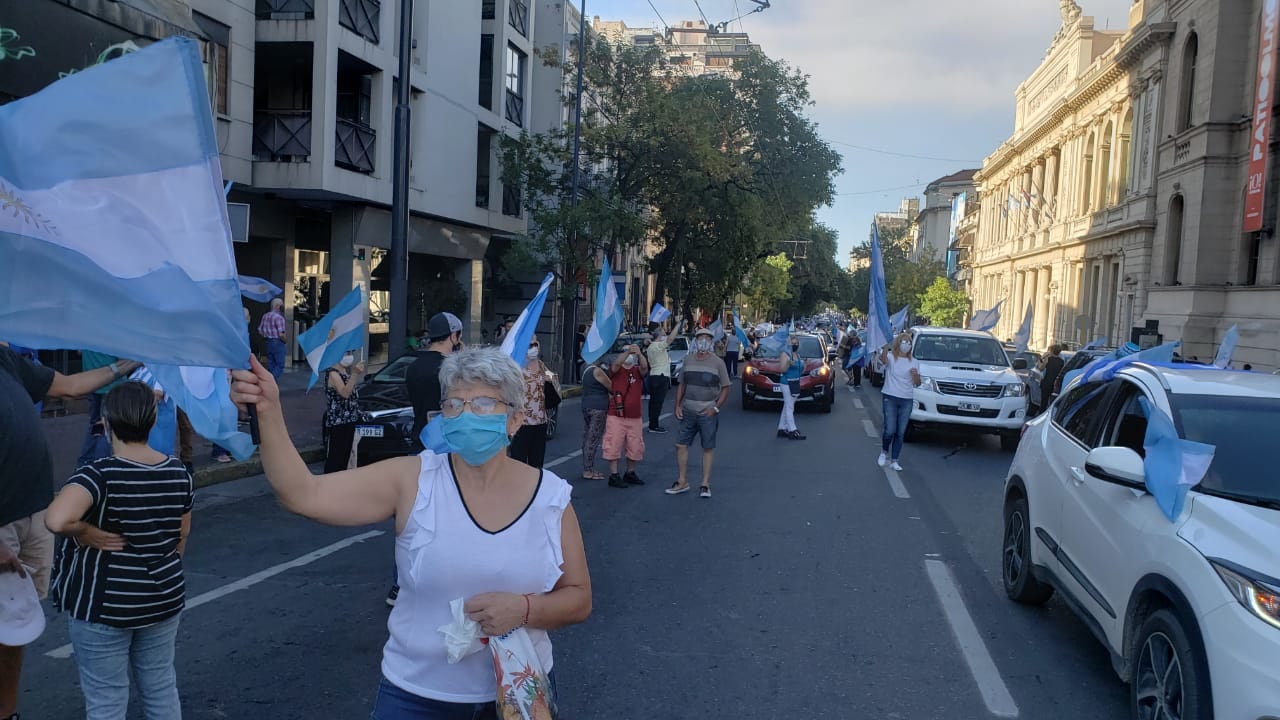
{"x": 221, "y": 473}
{"x": 568, "y": 391}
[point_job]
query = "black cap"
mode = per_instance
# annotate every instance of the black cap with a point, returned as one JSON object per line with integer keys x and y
{"x": 442, "y": 325}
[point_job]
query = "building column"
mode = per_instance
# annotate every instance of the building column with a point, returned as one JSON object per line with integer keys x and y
{"x": 1038, "y": 192}
{"x": 346, "y": 267}
{"x": 1019, "y": 294}
{"x": 1051, "y": 183}
{"x": 470, "y": 275}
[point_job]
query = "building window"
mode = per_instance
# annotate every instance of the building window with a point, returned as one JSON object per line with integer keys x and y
{"x": 1086, "y": 192}
{"x": 484, "y": 165}
{"x": 515, "y": 85}
{"x": 488, "y": 9}
{"x": 1186, "y": 98}
{"x": 1124, "y": 154}
{"x": 214, "y": 55}
{"x": 1104, "y": 166}
{"x": 1173, "y": 242}
{"x": 486, "y": 72}
{"x": 510, "y": 200}
{"x": 518, "y": 16}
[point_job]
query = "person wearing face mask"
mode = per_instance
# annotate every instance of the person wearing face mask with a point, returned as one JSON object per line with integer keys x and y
{"x": 422, "y": 380}
{"x": 659, "y": 379}
{"x": 792, "y": 367}
{"x": 704, "y": 389}
{"x": 342, "y": 411}
{"x": 472, "y": 524}
{"x": 623, "y": 426}
{"x": 901, "y": 378}
{"x": 529, "y": 446}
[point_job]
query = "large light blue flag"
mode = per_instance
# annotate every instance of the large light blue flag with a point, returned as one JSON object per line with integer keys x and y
{"x": 1106, "y": 367}
{"x": 204, "y": 394}
{"x": 879, "y": 331}
{"x": 659, "y": 313}
{"x": 737, "y": 330}
{"x": 898, "y": 321}
{"x": 164, "y": 434}
{"x": 986, "y": 320}
{"x": 256, "y": 288}
{"x": 717, "y": 329}
{"x": 516, "y": 342}
{"x": 1022, "y": 338}
{"x": 1172, "y": 465}
{"x": 333, "y": 335}
{"x": 1096, "y": 343}
{"x": 1228, "y": 347}
{"x": 114, "y": 230}
{"x": 774, "y": 344}
{"x": 608, "y": 321}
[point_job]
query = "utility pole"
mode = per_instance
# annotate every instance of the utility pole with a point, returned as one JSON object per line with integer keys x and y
{"x": 400, "y": 193}
{"x": 570, "y": 314}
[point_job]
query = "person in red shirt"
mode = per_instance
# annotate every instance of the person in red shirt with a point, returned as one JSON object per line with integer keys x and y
{"x": 623, "y": 426}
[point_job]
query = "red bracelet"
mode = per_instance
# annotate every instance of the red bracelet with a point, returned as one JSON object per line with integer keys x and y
{"x": 528, "y": 605}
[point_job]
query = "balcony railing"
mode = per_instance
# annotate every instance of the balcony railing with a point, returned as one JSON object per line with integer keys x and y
{"x": 361, "y": 17}
{"x": 511, "y": 200}
{"x": 282, "y": 135}
{"x": 515, "y": 108}
{"x": 286, "y": 9}
{"x": 355, "y": 149}
{"x": 518, "y": 16}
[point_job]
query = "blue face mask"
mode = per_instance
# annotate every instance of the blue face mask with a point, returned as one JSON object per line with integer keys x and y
{"x": 476, "y": 438}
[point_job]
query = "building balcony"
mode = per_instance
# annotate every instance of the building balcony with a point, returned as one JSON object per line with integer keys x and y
{"x": 518, "y": 16}
{"x": 515, "y": 108}
{"x": 286, "y": 9}
{"x": 361, "y": 17}
{"x": 488, "y": 9}
{"x": 355, "y": 146}
{"x": 282, "y": 135}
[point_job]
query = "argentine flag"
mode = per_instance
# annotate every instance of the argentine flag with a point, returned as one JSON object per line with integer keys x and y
{"x": 742, "y": 334}
{"x": 1022, "y": 338}
{"x": 258, "y": 289}
{"x": 898, "y": 321}
{"x": 659, "y": 313}
{"x": 516, "y": 342}
{"x": 114, "y": 224}
{"x": 204, "y": 394}
{"x": 879, "y": 331}
{"x": 329, "y": 339}
{"x": 608, "y": 321}
{"x": 1228, "y": 347}
{"x": 986, "y": 320}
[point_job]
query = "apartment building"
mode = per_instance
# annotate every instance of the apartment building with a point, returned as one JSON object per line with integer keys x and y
{"x": 691, "y": 46}
{"x": 934, "y": 222}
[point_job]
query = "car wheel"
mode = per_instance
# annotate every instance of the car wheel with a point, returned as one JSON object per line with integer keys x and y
{"x": 1009, "y": 441}
{"x": 1015, "y": 558}
{"x": 831, "y": 401}
{"x": 1170, "y": 678}
{"x": 912, "y": 433}
{"x": 746, "y": 401}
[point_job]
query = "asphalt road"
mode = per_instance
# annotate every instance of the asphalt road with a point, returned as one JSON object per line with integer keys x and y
{"x": 808, "y": 587}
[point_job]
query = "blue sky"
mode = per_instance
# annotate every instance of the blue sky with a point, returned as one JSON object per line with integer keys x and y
{"x": 927, "y": 78}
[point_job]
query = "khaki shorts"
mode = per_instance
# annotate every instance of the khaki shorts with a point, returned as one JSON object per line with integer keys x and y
{"x": 33, "y": 544}
{"x": 623, "y": 433}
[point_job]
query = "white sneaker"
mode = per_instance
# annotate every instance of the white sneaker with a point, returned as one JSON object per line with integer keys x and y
{"x": 882, "y": 460}
{"x": 896, "y": 466}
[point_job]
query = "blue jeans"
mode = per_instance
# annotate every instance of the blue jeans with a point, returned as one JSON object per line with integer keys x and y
{"x": 392, "y": 703}
{"x": 275, "y": 357}
{"x": 897, "y": 413}
{"x": 108, "y": 656}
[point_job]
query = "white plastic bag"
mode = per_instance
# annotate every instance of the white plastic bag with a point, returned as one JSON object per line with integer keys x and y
{"x": 524, "y": 690}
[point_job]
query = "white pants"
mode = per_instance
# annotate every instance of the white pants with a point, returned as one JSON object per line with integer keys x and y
{"x": 788, "y": 419}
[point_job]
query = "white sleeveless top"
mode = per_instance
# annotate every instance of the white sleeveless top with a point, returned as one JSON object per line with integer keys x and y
{"x": 443, "y": 555}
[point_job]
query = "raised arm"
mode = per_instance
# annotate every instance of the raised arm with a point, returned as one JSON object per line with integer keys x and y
{"x": 83, "y": 383}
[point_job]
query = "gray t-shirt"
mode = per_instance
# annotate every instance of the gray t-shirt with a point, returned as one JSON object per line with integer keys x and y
{"x": 703, "y": 379}
{"x": 26, "y": 470}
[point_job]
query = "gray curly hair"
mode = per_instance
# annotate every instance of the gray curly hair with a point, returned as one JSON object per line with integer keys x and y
{"x": 485, "y": 366}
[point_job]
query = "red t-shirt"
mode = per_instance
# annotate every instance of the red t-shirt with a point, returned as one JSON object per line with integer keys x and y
{"x": 629, "y": 383}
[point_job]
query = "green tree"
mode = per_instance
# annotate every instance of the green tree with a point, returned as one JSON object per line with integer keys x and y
{"x": 905, "y": 279}
{"x": 943, "y": 305}
{"x": 767, "y": 284}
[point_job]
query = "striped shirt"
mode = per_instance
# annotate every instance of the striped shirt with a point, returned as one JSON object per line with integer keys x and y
{"x": 271, "y": 326}
{"x": 142, "y": 584}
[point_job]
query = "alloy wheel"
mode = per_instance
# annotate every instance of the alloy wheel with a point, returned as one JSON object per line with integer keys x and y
{"x": 1015, "y": 547}
{"x": 1159, "y": 680}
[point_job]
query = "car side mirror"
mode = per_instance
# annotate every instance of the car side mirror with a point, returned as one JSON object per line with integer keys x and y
{"x": 831, "y": 355}
{"x": 1119, "y": 465}
{"x": 1020, "y": 364}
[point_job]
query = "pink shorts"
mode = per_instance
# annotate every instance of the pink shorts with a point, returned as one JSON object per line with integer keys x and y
{"x": 623, "y": 432}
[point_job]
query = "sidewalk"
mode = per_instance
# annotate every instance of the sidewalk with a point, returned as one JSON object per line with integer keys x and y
{"x": 303, "y": 413}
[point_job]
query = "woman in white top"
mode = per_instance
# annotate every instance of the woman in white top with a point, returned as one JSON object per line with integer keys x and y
{"x": 471, "y": 524}
{"x": 901, "y": 377}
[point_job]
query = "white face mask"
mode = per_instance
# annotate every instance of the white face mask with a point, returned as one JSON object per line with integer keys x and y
{"x": 348, "y": 360}
{"x": 904, "y": 346}
{"x": 630, "y": 361}
{"x": 532, "y": 353}
{"x": 662, "y": 338}
{"x": 702, "y": 344}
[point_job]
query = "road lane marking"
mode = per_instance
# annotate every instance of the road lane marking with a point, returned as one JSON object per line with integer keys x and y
{"x": 870, "y": 428}
{"x": 895, "y": 483}
{"x": 65, "y": 651}
{"x": 563, "y": 459}
{"x": 995, "y": 694}
{"x": 857, "y": 402}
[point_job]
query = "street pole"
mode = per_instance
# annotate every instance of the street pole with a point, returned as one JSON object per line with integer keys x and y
{"x": 571, "y": 277}
{"x": 396, "y": 343}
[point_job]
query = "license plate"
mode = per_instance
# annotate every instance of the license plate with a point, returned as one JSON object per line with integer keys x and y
{"x": 777, "y": 388}
{"x": 371, "y": 431}
{"x": 970, "y": 407}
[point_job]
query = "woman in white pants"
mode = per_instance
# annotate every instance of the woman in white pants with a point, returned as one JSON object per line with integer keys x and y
{"x": 792, "y": 368}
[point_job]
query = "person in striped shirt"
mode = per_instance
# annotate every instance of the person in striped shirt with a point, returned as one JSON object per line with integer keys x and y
{"x": 272, "y": 329}
{"x": 123, "y": 522}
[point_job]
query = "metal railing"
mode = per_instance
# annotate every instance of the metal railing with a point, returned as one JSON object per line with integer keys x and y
{"x": 511, "y": 200}
{"x": 515, "y": 108}
{"x": 281, "y": 135}
{"x": 286, "y": 9}
{"x": 361, "y": 17}
{"x": 355, "y": 148}
{"x": 518, "y": 16}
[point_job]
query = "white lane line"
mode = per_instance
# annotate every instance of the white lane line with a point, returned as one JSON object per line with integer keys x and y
{"x": 857, "y": 402}
{"x": 995, "y": 694}
{"x": 895, "y": 483}
{"x": 564, "y": 459}
{"x": 64, "y": 652}
{"x": 870, "y": 428}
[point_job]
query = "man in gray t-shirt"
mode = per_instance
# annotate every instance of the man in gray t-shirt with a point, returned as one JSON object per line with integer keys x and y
{"x": 703, "y": 390}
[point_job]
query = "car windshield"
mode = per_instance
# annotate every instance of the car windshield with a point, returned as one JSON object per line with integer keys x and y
{"x": 678, "y": 344}
{"x": 810, "y": 347}
{"x": 395, "y": 372}
{"x": 957, "y": 348}
{"x": 1237, "y": 427}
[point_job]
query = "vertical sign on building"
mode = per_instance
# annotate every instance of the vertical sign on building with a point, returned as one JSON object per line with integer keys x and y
{"x": 1260, "y": 142}
{"x": 957, "y": 214}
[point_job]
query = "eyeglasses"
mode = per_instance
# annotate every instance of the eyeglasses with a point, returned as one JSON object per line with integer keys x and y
{"x": 453, "y": 407}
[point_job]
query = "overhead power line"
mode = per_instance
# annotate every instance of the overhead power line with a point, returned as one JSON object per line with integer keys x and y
{"x": 864, "y": 148}
{"x": 880, "y": 190}
{"x": 660, "y": 18}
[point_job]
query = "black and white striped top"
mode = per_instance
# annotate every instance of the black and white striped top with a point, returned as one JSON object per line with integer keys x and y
{"x": 142, "y": 584}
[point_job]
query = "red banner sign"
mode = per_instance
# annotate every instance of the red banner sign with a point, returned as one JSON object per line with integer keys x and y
{"x": 1260, "y": 142}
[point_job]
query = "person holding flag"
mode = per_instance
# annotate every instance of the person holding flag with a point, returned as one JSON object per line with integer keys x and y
{"x": 659, "y": 379}
{"x": 622, "y": 426}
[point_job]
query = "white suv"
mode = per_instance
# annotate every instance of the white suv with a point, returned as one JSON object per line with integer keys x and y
{"x": 966, "y": 380}
{"x": 1190, "y": 609}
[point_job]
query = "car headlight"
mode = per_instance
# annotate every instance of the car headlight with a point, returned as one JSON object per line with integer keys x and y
{"x": 927, "y": 384}
{"x": 1258, "y": 597}
{"x": 749, "y": 371}
{"x": 1015, "y": 390}
{"x": 820, "y": 372}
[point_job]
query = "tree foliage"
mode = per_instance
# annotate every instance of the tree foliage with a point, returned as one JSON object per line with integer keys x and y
{"x": 906, "y": 280}
{"x": 943, "y": 305}
{"x": 768, "y": 284}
